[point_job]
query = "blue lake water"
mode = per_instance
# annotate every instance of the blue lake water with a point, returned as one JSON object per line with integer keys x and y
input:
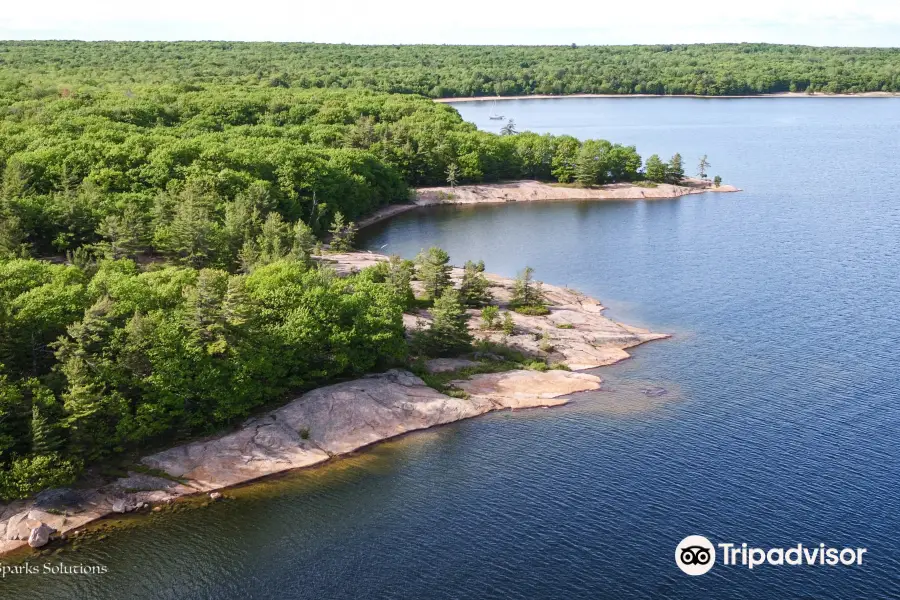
{"x": 780, "y": 426}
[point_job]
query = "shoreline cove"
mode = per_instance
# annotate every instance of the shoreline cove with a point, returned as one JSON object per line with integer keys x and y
{"x": 344, "y": 418}
{"x": 537, "y": 191}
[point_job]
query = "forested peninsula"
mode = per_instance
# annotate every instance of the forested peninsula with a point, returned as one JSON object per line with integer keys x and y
{"x": 165, "y": 228}
{"x": 465, "y": 71}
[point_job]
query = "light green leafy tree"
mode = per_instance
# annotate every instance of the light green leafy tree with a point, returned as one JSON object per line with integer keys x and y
{"x": 565, "y": 157}
{"x": 655, "y": 169}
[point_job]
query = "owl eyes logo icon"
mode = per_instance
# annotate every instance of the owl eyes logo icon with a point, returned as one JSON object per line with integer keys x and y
{"x": 695, "y": 555}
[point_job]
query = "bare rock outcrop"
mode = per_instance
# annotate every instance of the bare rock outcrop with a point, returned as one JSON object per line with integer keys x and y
{"x": 344, "y": 417}
{"x": 528, "y": 389}
{"x": 262, "y": 446}
{"x": 575, "y": 332}
{"x": 536, "y": 191}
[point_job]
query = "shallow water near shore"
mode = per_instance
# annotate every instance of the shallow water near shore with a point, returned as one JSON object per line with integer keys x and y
{"x": 778, "y": 426}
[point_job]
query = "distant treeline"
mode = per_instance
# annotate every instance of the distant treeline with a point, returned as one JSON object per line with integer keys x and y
{"x": 460, "y": 71}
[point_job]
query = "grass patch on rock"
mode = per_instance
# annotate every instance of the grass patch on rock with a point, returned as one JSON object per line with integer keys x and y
{"x": 532, "y": 310}
{"x": 492, "y": 357}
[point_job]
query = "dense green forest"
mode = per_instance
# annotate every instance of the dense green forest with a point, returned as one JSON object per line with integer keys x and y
{"x": 459, "y": 71}
{"x": 193, "y": 174}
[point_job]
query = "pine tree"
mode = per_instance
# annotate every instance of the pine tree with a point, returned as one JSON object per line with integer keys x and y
{"x": 124, "y": 235}
{"x": 449, "y": 333}
{"x": 86, "y": 400}
{"x": 399, "y": 274}
{"x": 590, "y": 164}
{"x": 12, "y": 235}
{"x": 587, "y": 170}
{"x": 274, "y": 241}
{"x": 675, "y": 172}
{"x": 185, "y": 229}
{"x": 137, "y": 346}
{"x": 341, "y": 235}
{"x": 236, "y": 308}
{"x": 304, "y": 241}
{"x": 362, "y": 135}
{"x": 44, "y": 416}
{"x": 15, "y": 179}
{"x": 523, "y": 289}
{"x": 85, "y": 403}
{"x": 83, "y": 258}
{"x": 473, "y": 288}
{"x": 243, "y": 223}
{"x": 13, "y": 416}
{"x": 87, "y": 336}
{"x": 564, "y": 158}
{"x": 508, "y": 326}
{"x": 204, "y": 311}
{"x": 489, "y": 317}
{"x": 702, "y": 167}
{"x": 452, "y": 175}
{"x": 528, "y": 295}
{"x": 433, "y": 270}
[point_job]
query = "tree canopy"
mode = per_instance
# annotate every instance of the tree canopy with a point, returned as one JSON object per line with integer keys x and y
{"x": 460, "y": 71}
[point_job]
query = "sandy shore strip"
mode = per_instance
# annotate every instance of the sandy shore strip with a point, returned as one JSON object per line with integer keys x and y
{"x": 776, "y": 95}
{"x": 346, "y": 417}
{"x": 536, "y": 191}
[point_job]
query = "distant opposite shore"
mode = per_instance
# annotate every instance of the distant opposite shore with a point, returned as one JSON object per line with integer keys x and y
{"x": 776, "y": 95}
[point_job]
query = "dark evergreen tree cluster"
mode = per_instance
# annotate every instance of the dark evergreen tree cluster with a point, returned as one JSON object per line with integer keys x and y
{"x": 93, "y": 363}
{"x": 449, "y": 332}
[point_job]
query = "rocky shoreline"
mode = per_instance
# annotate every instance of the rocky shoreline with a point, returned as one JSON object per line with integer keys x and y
{"x": 345, "y": 417}
{"x": 537, "y": 191}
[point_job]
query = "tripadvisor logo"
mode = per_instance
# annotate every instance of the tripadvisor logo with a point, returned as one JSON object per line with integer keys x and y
{"x": 696, "y": 555}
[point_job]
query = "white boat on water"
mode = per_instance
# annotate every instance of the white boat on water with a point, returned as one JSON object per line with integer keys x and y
{"x": 494, "y": 116}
